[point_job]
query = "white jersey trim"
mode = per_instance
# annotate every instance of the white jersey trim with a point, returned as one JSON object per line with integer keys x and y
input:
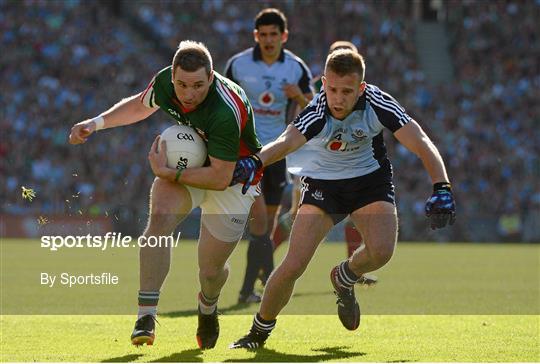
{"x": 224, "y": 93}
{"x": 376, "y": 97}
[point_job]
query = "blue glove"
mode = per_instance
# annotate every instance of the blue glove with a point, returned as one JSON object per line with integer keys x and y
{"x": 245, "y": 171}
{"x": 440, "y": 207}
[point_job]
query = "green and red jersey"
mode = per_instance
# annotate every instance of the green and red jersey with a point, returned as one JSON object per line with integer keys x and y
{"x": 224, "y": 119}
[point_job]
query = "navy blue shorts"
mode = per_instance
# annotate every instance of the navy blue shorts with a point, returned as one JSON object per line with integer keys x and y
{"x": 273, "y": 182}
{"x": 339, "y": 198}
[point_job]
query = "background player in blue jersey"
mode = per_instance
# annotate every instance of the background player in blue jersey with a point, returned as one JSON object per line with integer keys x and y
{"x": 342, "y": 158}
{"x": 275, "y": 80}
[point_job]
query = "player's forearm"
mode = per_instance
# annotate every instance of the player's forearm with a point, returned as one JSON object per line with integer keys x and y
{"x": 304, "y": 100}
{"x": 433, "y": 162}
{"x": 206, "y": 178}
{"x": 275, "y": 151}
{"x": 301, "y": 101}
{"x": 289, "y": 141}
{"x": 128, "y": 111}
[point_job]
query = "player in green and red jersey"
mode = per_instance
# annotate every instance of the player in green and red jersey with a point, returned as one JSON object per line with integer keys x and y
{"x": 192, "y": 93}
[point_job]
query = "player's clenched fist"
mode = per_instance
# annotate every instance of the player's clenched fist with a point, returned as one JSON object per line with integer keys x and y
{"x": 441, "y": 207}
{"x": 247, "y": 171}
{"x": 81, "y": 131}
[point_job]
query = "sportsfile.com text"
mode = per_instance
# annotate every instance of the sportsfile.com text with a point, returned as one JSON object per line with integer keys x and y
{"x": 109, "y": 240}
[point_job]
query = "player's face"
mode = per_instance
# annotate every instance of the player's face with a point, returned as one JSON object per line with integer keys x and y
{"x": 270, "y": 39}
{"x": 191, "y": 88}
{"x": 342, "y": 92}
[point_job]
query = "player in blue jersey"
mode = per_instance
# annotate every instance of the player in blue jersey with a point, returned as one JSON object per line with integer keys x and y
{"x": 353, "y": 237}
{"x": 346, "y": 172}
{"x": 274, "y": 80}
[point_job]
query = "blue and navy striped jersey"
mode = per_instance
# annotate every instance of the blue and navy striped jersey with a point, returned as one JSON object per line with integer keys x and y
{"x": 353, "y": 147}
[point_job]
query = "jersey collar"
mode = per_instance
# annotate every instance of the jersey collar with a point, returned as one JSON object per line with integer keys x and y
{"x": 257, "y": 55}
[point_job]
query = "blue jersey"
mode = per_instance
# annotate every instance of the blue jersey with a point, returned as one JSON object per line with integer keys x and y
{"x": 263, "y": 85}
{"x": 353, "y": 147}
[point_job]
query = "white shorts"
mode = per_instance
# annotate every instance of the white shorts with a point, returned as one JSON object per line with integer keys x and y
{"x": 224, "y": 213}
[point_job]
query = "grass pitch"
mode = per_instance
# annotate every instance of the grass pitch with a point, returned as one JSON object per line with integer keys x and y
{"x": 382, "y": 338}
{"x": 434, "y": 302}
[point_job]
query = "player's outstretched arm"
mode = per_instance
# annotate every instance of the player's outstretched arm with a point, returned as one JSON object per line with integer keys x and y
{"x": 289, "y": 141}
{"x": 440, "y": 207}
{"x": 125, "y": 112}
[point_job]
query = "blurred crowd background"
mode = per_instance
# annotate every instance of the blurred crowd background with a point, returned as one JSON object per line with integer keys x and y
{"x": 64, "y": 61}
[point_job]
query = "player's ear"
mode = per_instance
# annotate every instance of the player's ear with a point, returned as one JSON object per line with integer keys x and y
{"x": 211, "y": 77}
{"x": 323, "y": 79}
{"x": 256, "y": 35}
{"x": 362, "y": 87}
{"x": 284, "y": 36}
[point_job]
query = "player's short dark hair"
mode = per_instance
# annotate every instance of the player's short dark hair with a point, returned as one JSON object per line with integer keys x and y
{"x": 271, "y": 16}
{"x": 342, "y": 44}
{"x": 344, "y": 62}
{"x": 191, "y": 56}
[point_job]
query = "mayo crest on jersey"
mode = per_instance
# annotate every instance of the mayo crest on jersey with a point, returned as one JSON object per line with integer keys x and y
{"x": 353, "y": 147}
{"x": 224, "y": 119}
{"x": 263, "y": 84}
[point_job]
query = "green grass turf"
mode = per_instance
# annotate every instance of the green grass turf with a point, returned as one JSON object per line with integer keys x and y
{"x": 381, "y": 338}
{"x": 434, "y": 302}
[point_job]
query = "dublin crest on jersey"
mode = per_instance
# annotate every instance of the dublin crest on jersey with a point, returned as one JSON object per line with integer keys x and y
{"x": 359, "y": 135}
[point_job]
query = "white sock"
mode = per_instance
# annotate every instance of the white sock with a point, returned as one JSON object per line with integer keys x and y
{"x": 147, "y": 310}
{"x": 206, "y": 305}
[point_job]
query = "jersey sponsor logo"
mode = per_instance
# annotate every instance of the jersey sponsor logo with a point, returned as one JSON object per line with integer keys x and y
{"x": 266, "y": 98}
{"x": 318, "y": 195}
{"x": 267, "y": 112}
{"x": 336, "y": 144}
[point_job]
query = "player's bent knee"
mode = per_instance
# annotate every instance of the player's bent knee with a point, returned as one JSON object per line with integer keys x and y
{"x": 161, "y": 224}
{"x": 169, "y": 198}
{"x": 162, "y": 212}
